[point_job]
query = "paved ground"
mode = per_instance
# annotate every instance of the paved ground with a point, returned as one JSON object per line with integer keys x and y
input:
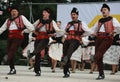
{"x": 25, "y": 75}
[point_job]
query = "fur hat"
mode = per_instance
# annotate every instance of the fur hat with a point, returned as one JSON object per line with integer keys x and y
{"x": 75, "y": 10}
{"x": 105, "y": 6}
{"x": 13, "y": 7}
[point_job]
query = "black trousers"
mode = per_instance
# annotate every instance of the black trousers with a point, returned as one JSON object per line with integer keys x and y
{"x": 69, "y": 47}
{"x": 102, "y": 45}
{"x": 39, "y": 46}
{"x": 12, "y": 47}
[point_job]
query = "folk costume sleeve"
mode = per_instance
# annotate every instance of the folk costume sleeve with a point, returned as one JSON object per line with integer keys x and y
{"x": 94, "y": 28}
{"x": 116, "y": 24}
{"x": 59, "y": 32}
{"x": 4, "y": 27}
{"x": 27, "y": 24}
{"x": 36, "y": 23}
{"x": 86, "y": 29}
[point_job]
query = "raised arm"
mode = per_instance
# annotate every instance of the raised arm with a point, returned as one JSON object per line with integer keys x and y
{"x": 27, "y": 24}
{"x": 116, "y": 24}
{"x": 4, "y": 27}
{"x": 87, "y": 30}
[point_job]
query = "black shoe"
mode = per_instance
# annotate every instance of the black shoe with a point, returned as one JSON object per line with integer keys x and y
{"x": 12, "y": 72}
{"x": 100, "y": 77}
{"x": 38, "y": 74}
{"x": 66, "y": 76}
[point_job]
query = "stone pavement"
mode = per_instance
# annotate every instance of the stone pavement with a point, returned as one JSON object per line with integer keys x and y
{"x": 25, "y": 75}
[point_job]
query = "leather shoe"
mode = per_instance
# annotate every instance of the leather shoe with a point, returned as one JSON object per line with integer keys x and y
{"x": 12, "y": 71}
{"x": 66, "y": 76}
{"x": 38, "y": 74}
{"x": 100, "y": 77}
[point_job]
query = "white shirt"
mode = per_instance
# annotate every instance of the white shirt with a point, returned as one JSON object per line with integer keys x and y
{"x": 13, "y": 26}
{"x": 71, "y": 28}
{"x": 87, "y": 30}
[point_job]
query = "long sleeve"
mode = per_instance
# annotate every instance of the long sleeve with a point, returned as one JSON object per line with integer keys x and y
{"x": 30, "y": 36}
{"x": 116, "y": 24}
{"x": 94, "y": 28}
{"x": 85, "y": 40}
{"x": 35, "y": 23}
{"x": 4, "y": 27}
{"x": 55, "y": 26}
{"x": 50, "y": 40}
{"x": 27, "y": 24}
{"x": 86, "y": 29}
{"x": 59, "y": 32}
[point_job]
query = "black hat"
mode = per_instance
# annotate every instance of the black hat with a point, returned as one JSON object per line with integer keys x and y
{"x": 105, "y": 6}
{"x": 47, "y": 9}
{"x": 75, "y": 10}
{"x": 13, "y": 7}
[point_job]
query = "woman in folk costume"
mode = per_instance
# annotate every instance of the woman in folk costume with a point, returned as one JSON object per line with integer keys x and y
{"x": 91, "y": 47}
{"x": 112, "y": 55}
{"x": 75, "y": 29}
{"x": 56, "y": 48}
{"x": 15, "y": 25}
{"x": 27, "y": 52}
{"x": 77, "y": 55}
{"x": 104, "y": 31}
{"x": 85, "y": 52}
{"x": 45, "y": 28}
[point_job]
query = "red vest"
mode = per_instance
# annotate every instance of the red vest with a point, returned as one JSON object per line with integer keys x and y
{"x": 109, "y": 28}
{"x": 49, "y": 29}
{"x": 16, "y": 33}
{"x": 18, "y": 22}
{"x": 76, "y": 33}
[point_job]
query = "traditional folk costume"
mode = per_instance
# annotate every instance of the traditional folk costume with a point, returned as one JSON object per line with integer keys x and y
{"x": 77, "y": 54}
{"x": 91, "y": 47}
{"x": 43, "y": 28}
{"x": 112, "y": 55}
{"x": 15, "y": 27}
{"x": 56, "y": 48}
{"x": 104, "y": 29}
{"x": 75, "y": 30}
{"x": 28, "y": 50}
{"x": 85, "y": 49}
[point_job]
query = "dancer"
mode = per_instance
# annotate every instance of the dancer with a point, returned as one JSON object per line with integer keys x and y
{"x": 56, "y": 48}
{"x": 74, "y": 31}
{"x": 45, "y": 28}
{"x": 15, "y": 24}
{"x": 104, "y": 31}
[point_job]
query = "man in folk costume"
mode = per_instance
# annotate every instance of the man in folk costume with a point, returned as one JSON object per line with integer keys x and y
{"x": 16, "y": 27}
{"x": 74, "y": 31}
{"x": 104, "y": 32}
{"x": 45, "y": 28}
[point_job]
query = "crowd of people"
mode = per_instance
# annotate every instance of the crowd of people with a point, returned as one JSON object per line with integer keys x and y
{"x": 77, "y": 43}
